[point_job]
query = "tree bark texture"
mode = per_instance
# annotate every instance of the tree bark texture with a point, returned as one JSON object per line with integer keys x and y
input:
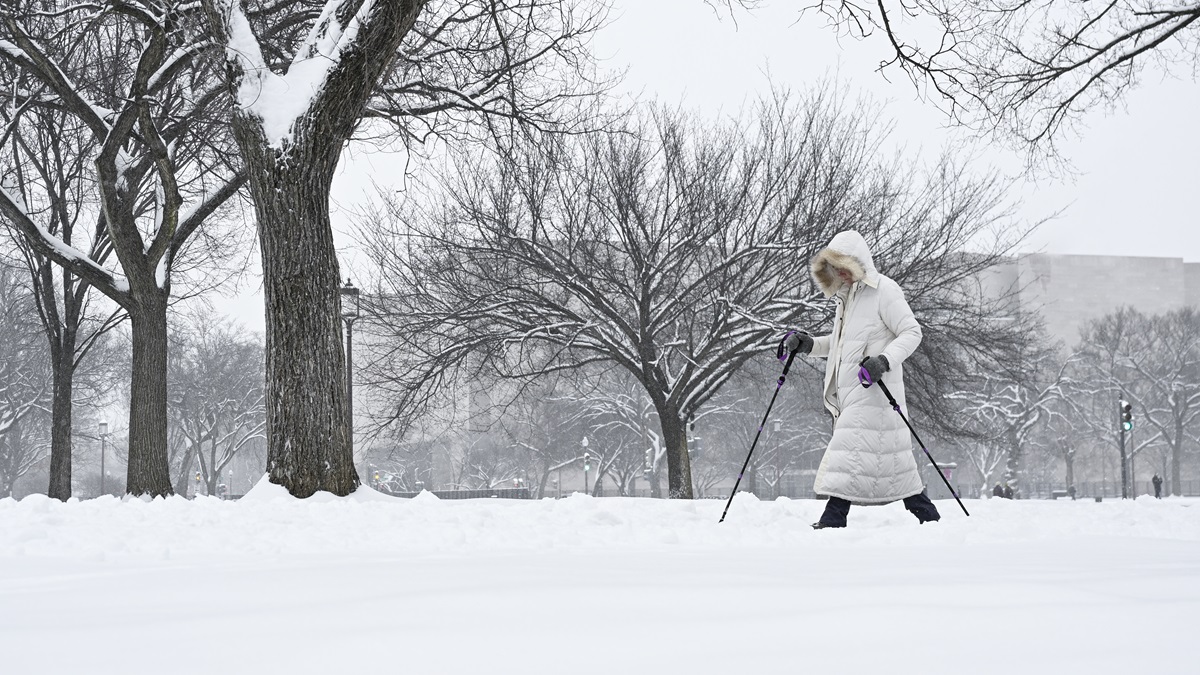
{"x": 148, "y": 472}
{"x": 679, "y": 465}
{"x": 308, "y": 445}
{"x": 1177, "y": 457}
{"x": 63, "y": 354}
{"x": 1012, "y": 469}
{"x": 62, "y": 334}
{"x": 184, "y": 476}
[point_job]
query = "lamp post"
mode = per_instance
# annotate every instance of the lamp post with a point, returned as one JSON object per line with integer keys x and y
{"x": 349, "y": 314}
{"x": 103, "y": 439}
{"x": 776, "y": 427}
{"x": 1123, "y": 410}
{"x": 586, "y": 458}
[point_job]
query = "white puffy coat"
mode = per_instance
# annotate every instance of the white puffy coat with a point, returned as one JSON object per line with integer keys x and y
{"x": 869, "y": 459}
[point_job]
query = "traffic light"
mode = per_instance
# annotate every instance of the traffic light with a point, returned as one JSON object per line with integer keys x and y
{"x": 587, "y": 458}
{"x": 649, "y": 461}
{"x": 1126, "y": 415}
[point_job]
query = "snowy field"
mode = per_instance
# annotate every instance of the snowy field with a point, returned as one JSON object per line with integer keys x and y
{"x": 370, "y": 583}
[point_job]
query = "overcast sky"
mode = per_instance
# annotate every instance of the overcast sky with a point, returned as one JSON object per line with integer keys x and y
{"x": 1135, "y": 192}
{"x": 1135, "y": 188}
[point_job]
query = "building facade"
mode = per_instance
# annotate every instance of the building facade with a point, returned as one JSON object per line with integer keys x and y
{"x": 1071, "y": 290}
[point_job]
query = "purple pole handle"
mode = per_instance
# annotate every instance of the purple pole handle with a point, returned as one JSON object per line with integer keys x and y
{"x": 781, "y": 353}
{"x": 864, "y": 378}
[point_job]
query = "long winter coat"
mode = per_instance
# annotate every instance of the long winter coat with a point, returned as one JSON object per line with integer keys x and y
{"x": 869, "y": 459}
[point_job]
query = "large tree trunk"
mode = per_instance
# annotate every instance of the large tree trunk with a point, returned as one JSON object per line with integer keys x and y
{"x": 655, "y": 487}
{"x": 10, "y": 479}
{"x": 149, "y": 473}
{"x": 1012, "y": 470}
{"x": 679, "y": 466}
{"x": 308, "y": 434}
{"x": 543, "y": 480}
{"x": 63, "y": 336}
{"x": 652, "y": 476}
{"x": 1177, "y": 459}
{"x": 351, "y": 49}
{"x": 185, "y": 471}
{"x": 61, "y": 410}
{"x": 308, "y": 446}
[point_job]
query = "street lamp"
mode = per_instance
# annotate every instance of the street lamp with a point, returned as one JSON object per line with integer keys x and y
{"x": 349, "y": 314}
{"x": 103, "y": 439}
{"x": 586, "y": 458}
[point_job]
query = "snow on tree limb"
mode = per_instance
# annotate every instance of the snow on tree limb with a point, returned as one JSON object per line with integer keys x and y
{"x": 29, "y": 57}
{"x": 157, "y": 152}
{"x": 13, "y": 208}
{"x": 279, "y": 100}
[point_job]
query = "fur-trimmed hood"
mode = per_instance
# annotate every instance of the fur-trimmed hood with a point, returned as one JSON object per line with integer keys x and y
{"x": 848, "y": 250}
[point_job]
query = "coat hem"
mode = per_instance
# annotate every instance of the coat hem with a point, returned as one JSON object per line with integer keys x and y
{"x": 870, "y": 501}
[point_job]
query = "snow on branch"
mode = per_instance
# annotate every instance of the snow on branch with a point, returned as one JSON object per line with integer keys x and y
{"x": 279, "y": 100}
{"x": 28, "y": 56}
{"x": 13, "y": 208}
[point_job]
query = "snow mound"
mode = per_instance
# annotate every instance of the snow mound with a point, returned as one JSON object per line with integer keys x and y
{"x": 264, "y": 491}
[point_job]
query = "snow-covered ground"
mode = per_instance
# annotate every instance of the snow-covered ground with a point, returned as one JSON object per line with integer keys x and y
{"x": 369, "y": 583}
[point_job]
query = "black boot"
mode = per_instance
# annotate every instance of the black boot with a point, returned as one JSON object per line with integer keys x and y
{"x": 922, "y": 507}
{"x": 835, "y": 513}
{"x": 821, "y": 526}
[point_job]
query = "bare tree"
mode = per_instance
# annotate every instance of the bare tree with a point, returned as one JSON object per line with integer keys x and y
{"x": 25, "y": 382}
{"x": 130, "y": 77}
{"x": 23, "y": 446}
{"x": 215, "y": 381}
{"x": 402, "y": 466}
{"x": 1066, "y": 444}
{"x": 486, "y": 462}
{"x": 546, "y": 422}
{"x": 1153, "y": 362}
{"x": 673, "y": 249}
{"x": 602, "y": 403}
{"x": 1009, "y": 402}
{"x": 1022, "y": 68}
{"x": 51, "y": 152}
{"x": 304, "y": 77}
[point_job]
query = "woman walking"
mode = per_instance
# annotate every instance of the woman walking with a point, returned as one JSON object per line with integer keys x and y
{"x": 869, "y": 459}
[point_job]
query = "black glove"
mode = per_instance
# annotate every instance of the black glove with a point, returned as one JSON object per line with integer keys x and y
{"x": 798, "y": 343}
{"x": 876, "y": 366}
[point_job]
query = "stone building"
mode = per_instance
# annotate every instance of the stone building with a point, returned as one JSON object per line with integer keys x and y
{"x": 1071, "y": 290}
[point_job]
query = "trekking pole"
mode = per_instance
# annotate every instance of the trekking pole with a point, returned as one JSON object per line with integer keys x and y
{"x": 865, "y": 379}
{"x": 787, "y": 363}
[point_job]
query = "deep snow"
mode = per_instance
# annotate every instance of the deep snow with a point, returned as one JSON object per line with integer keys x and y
{"x": 271, "y": 584}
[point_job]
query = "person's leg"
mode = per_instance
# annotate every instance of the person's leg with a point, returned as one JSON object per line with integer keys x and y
{"x": 835, "y": 513}
{"x": 922, "y": 507}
